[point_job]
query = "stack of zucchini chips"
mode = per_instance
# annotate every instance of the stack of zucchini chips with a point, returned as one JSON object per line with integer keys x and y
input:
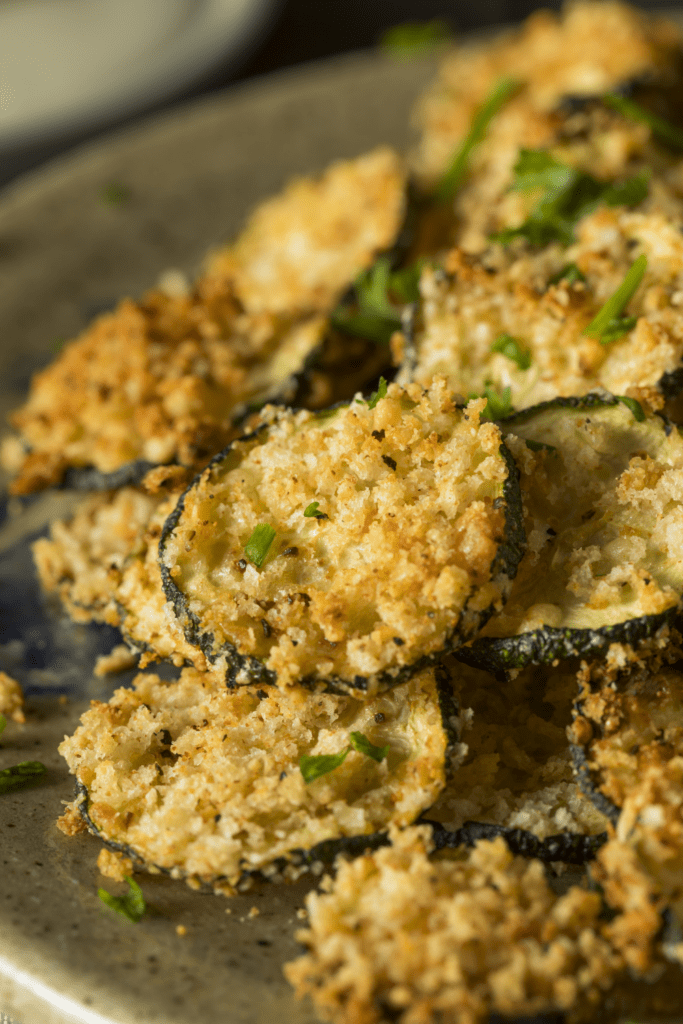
{"x": 428, "y": 625}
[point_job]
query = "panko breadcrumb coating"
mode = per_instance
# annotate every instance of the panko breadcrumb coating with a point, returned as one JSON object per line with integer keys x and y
{"x": 204, "y": 783}
{"x": 552, "y": 58}
{"x": 628, "y": 731}
{"x": 416, "y": 939}
{"x": 163, "y": 379}
{"x": 517, "y": 770}
{"x": 300, "y": 250}
{"x": 102, "y": 564}
{"x": 466, "y": 309}
{"x": 412, "y": 549}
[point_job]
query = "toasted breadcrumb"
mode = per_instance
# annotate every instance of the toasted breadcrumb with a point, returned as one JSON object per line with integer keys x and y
{"x": 11, "y": 698}
{"x": 205, "y": 782}
{"x": 450, "y": 939}
{"x": 301, "y": 249}
{"x": 114, "y": 865}
{"x": 412, "y": 495}
{"x": 71, "y": 821}
{"x": 119, "y": 659}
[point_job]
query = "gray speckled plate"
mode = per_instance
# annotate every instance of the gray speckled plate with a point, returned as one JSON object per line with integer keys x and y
{"x": 66, "y": 254}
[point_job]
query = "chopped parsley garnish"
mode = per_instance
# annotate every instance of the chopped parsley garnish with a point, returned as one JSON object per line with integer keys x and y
{"x": 363, "y": 745}
{"x": 373, "y": 314}
{"x": 661, "y": 128}
{"x": 115, "y": 193}
{"x": 311, "y": 511}
{"x": 459, "y": 165}
{"x": 635, "y": 407}
{"x": 20, "y": 774}
{"x": 414, "y": 38}
{"x": 569, "y": 273}
{"x": 498, "y": 404}
{"x": 313, "y": 768}
{"x": 568, "y": 195}
{"x": 132, "y": 905}
{"x": 258, "y": 545}
{"x": 608, "y": 324}
{"x": 511, "y": 349}
{"x": 381, "y": 392}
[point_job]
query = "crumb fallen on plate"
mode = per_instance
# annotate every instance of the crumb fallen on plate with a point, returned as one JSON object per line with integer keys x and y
{"x": 114, "y": 865}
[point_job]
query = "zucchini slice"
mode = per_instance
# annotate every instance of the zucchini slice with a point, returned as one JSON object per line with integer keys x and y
{"x": 205, "y": 783}
{"x": 549, "y": 108}
{"x": 604, "y": 518}
{"x": 407, "y": 934}
{"x": 517, "y": 772}
{"x": 391, "y": 528}
{"x": 165, "y": 379}
{"x": 102, "y": 564}
{"x": 512, "y": 324}
{"x": 628, "y": 749}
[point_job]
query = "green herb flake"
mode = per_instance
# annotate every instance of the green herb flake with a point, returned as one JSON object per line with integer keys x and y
{"x": 405, "y": 283}
{"x": 661, "y": 128}
{"x": 313, "y": 768}
{"x": 381, "y": 392}
{"x": 511, "y": 349}
{"x": 258, "y": 545}
{"x": 540, "y": 446}
{"x": 3, "y": 723}
{"x": 608, "y": 324}
{"x": 131, "y": 906}
{"x": 415, "y": 38}
{"x": 569, "y": 273}
{"x": 498, "y": 404}
{"x": 635, "y": 407}
{"x": 20, "y": 774}
{"x": 568, "y": 195}
{"x": 311, "y": 511}
{"x": 502, "y": 91}
{"x": 363, "y": 745}
{"x": 115, "y": 193}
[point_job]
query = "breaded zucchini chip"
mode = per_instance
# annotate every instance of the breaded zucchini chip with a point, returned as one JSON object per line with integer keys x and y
{"x": 164, "y": 379}
{"x": 453, "y": 938}
{"x": 562, "y": 66}
{"x": 156, "y": 381}
{"x": 207, "y": 784}
{"x": 349, "y": 546}
{"x": 102, "y": 564}
{"x": 517, "y": 770}
{"x": 519, "y": 325}
{"x": 602, "y": 486}
{"x": 628, "y": 749}
{"x": 300, "y": 250}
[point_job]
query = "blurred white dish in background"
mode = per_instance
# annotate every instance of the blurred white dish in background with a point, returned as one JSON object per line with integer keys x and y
{"x": 71, "y": 65}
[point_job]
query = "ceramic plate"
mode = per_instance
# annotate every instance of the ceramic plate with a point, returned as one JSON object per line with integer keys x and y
{"x": 68, "y": 252}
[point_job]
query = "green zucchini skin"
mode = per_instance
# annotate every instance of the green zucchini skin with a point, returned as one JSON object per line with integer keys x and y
{"x": 88, "y": 478}
{"x": 244, "y": 669}
{"x": 545, "y": 645}
{"x": 587, "y": 786}
{"x": 542, "y": 646}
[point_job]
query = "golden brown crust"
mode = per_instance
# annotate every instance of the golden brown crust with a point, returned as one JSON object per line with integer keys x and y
{"x": 205, "y": 783}
{"x": 11, "y": 699}
{"x": 451, "y": 939}
{"x": 401, "y": 559}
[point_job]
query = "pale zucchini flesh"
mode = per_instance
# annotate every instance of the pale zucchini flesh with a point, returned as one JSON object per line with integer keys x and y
{"x": 604, "y": 517}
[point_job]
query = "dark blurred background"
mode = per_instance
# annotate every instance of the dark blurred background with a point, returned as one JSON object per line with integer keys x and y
{"x": 292, "y": 32}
